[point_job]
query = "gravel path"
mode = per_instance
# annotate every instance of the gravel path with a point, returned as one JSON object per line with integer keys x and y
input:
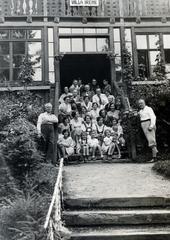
{"x": 114, "y": 181}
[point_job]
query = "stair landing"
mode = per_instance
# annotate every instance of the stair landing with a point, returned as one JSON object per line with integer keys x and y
{"x": 115, "y": 184}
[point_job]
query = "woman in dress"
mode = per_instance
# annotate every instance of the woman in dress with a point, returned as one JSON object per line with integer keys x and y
{"x": 94, "y": 113}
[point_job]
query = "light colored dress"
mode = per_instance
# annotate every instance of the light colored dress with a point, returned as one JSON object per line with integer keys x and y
{"x": 93, "y": 142}
{"x": 107, "y": 143}
{"x": 68, "y": 144}
{"x": 94, "y": 114}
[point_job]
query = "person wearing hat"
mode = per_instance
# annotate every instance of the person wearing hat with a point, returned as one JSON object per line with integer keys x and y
{"x": 148, "y": 125}
{"x": 45, "y": 128}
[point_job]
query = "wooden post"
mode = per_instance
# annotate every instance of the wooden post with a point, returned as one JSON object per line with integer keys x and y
{"x": 45, "y": 12}
{"x": 132, "y": 141}
{"x": 57, "y": 84}
{"x": 112, "y": 60}
{"x": 56, "y": 98}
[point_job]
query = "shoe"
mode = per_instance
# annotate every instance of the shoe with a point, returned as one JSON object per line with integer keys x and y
{"x": 152, "y": 160}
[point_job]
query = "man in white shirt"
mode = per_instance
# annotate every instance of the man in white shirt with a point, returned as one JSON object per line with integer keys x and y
{"x": 148, "y": 124}
{"x": 45, "y": 128}
{"x": 100, "y": 98}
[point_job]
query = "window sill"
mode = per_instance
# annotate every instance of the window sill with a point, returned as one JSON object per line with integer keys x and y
{"x": 149, "y": 82}
{"x": 5, "y": 89}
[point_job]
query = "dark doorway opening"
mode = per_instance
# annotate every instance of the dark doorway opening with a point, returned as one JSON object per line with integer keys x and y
{"x": 84, "y": 67}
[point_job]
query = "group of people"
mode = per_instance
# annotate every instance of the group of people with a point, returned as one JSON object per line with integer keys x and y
{"x": 90, "y": 121}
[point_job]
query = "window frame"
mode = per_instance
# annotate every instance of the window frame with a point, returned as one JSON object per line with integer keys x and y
{"x": 83, "y": 36}
{"x": 26, "y": 40}
{"x": 148, "y": 50}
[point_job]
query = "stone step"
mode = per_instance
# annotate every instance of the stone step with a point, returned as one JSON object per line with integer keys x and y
{"x": 92, "y": 203}
{"x": 121, "y": 233}
{"x": 116, "y": 217}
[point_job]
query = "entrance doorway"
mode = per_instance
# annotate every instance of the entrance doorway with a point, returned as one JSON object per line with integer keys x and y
{"x": 84, "y": 67}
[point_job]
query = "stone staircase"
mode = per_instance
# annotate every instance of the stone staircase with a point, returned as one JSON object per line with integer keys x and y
{"x": 141, "y": 218}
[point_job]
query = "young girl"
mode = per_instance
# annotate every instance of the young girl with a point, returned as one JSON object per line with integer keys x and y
{"x": 93, "y": 143}
{"x": 76, "y": 123}
{"x": 84, "y": 147}
{"x": 64, "y": 125}
{"x": 116, "y": 145}
{"x": 66, "y": 144}
{"x": 87, "y": 125}
{"x": 117, "y": 128}
{"x": 100, "y": 128}
{"x": 108, "y": 146}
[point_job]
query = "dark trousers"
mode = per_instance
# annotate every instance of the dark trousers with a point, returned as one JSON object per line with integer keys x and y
{"x": 47, "y": 131}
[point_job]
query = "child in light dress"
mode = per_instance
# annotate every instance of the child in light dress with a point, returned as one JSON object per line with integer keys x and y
{"x": 84, "y": 147}
{"x": 94, "y": 145}
{"x": 108, "y": 145}
{"x": 117, "y": 128}
{"x": 66, "y": 144}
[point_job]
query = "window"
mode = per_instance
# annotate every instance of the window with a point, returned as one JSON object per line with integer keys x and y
{"x": 166, "y": 46}
{"x": 77, "y": 45}
{"x": 147, "y": 50}
{"x": 84, "y": 31}
{"x": 83, "y": 39}
{"x": 128, "y": 40}
{"x": 51, "y": 73}
{"x": 15, "y": 44}
{"x": 34, "y": 51}
{"x": 117, "y": 52}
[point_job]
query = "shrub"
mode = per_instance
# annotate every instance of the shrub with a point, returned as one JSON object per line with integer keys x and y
{"x": 20, "y": 148}
{"x": 163, "y": 168}
{"x": 19, "y": 104}
{"x": 23, "y": 218}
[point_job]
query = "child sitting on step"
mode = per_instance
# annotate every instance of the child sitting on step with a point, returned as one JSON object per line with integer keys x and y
{"x": 66, "y": 144}
{"x": 117, "y": 128}
{"x": 115, "y": 140}
{"x": 94, "y": 145}
{"x": 108, "y": 145}
{"x": 84, "y": 147}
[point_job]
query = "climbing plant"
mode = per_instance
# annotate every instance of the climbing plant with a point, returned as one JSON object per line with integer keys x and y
{"x": 26, "y": 72}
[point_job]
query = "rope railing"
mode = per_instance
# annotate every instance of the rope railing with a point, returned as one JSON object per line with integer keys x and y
{"x": 53, "y": 221}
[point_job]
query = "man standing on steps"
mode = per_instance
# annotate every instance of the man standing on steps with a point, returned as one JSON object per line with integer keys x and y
{"x": 45, "y": 127}
{"x": 148, "y": 124}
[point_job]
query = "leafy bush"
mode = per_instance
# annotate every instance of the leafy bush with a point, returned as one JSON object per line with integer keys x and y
{"x": 20, "y": 148}
{"x": 42, "y": 179}
{"x": 163, "y": 168}
{"x": 23, "y": 218}
{"x": 19, "y": 104}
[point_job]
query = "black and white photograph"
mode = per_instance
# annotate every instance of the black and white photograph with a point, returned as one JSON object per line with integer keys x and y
{"x": 84, "y": 119}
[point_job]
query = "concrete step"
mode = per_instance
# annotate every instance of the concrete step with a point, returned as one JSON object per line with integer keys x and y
{"x": 116, "y": 217}
{"x": 121, "y": 233}
{"x": 92, "y": 203}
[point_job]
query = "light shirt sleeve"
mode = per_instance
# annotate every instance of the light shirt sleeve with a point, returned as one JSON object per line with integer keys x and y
{"x": 152, "y": 117}
{"x": 39, "y": 122}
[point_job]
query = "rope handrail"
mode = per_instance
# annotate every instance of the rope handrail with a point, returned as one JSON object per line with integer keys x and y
{"x": 55, "y": 200}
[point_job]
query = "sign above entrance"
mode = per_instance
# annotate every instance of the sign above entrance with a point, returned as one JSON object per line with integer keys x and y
{"x": 84, "y": 3}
